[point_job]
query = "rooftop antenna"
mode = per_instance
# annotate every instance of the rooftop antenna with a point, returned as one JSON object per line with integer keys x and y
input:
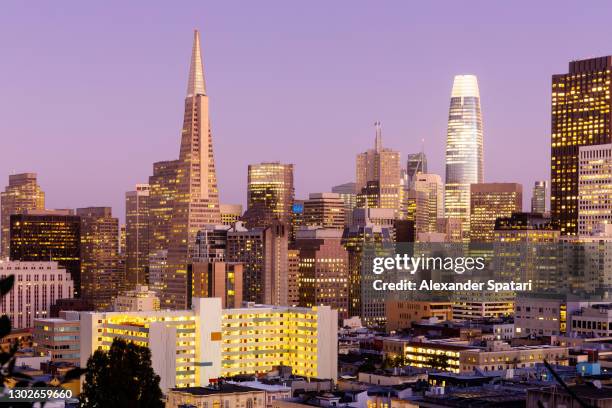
{"x": 378, "y": 139}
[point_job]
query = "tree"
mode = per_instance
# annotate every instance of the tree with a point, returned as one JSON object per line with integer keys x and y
{"x": 121, "y": 378}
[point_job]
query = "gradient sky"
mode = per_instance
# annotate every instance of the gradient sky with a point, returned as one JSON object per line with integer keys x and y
{"x": 91, "y": 94}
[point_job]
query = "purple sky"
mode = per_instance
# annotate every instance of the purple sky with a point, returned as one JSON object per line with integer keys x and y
{"x": 92, "y": 94}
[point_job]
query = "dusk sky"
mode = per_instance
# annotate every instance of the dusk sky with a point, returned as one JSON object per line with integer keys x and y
{"x": 91, "y": 94}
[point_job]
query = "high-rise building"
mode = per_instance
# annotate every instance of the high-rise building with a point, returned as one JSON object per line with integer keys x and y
{"x": 264, "y": 255}
{"x": 270, "y": 194}
{"x": 361, "y": 241}
{"x": 101, "y": 275}
{"x": 464, "y": 148}
{"x": 348, "y": 193}
{"x": 197, "y": 199}
{"x": 221, "y": 345}
{"x": 137, "y": 235}
{"x": 489, "y": 201}
{"x": 323, "y": 269}
{"x": 431, "y": 185}
{"x": 37, "y": 286}
{"x": 539, "y": 195}
{"x": 451, "y": 229}
{"x": 293, "y": 277}
{"x": 230, "y": 213}
{"x": 580, "y": 117}
{"x": 415, "y": 208}
{"x": 162, "y": 193}
{"x": 247, "y": 247}
{"x": 416, "y": 163}
{"x": 48, "y": 235}
{"x": 217, "y": 279}
{"x": 22, "y": 193}
{"x": 381, "y": 165}
{"x": 211, "y": 244}
{"x": 325, "y": 210}
{"x": 594, "y": 187}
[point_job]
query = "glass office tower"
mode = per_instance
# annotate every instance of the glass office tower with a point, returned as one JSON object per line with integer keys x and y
{"x": 464, "y": 140}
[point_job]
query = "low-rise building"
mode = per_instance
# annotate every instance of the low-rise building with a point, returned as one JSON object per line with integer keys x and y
{"x": 499, "y": 355}
{"x": 593, "y": 321}
{"x": 218, "y": 395}
{"x": 274, "y": 391}
{"x": 400, "y": 314}
{"x": 58, "y": 338}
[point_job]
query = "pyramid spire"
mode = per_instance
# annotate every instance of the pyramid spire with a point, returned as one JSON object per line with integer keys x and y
{"x": 196, "y": 85}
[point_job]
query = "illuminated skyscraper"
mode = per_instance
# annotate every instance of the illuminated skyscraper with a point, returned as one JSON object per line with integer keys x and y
{"x": 348, "y": 194}
{"x": 48, "y": 235}
{"x": 162, "y": 193}
{"x": 580, "y": 117}
{"x": 323, "y": 269}
{"x": 101, "y": 276}
{"x": 197, "y": 199}
{"x": 489, "y": 201}
{"x": 464, "y": 144}
{"x": 270, "y": 194}
{"x": 325, "y": 210}
{"x": 137, "y": 235}
{"x": 431, "y": 185}
{"x": 263, "y": 251}
{"x": 594, "y": 187}
{"x": 539, "y": 195}
{"x": 22, "y": 193}
{"x": 380, "y": 167}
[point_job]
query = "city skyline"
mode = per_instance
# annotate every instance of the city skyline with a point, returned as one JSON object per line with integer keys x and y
{"x": 134, "y": 138}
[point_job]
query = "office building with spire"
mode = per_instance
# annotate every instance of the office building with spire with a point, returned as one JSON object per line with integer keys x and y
{"x": 464, "y": 148}
{"x": 191, "y": 185}
{"x": 22, "y": 193}
{"x": 378, "y": 173}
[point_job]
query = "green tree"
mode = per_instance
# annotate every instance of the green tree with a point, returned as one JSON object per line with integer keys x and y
{"x": 121, "y": 378}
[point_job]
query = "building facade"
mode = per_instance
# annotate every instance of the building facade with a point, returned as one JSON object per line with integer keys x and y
{"x": 323, "y": 269}
{"x": 48, "y": 235}
{"x": 37, "y": 286}
{"x": 22, "y": 193}
{"x": 380, "y": 166}
{"x": 137, "y": 235}
{"x": 464, "y": 148}
{"x": 270, "y": 194}
{"x": 218, "y": 279}
{"x": 196, "y": 203}
{"x": 488, "y": 201}
{"x": 191, "y": 347}
{"x": 585, "y": 89}
{"x": 539, "y": 197}
{"x": 325, "y": 210}
{"x": 102, "y": 276}
{"x": 594, "y": 187}
{"x": 58, "y": 338}
{"x": 230, "y": 213}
